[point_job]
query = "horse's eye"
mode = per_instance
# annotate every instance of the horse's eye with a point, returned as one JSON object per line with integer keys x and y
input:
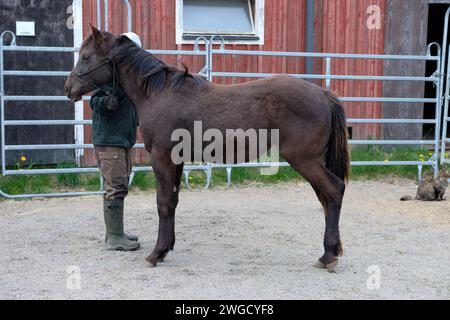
{"x": 85, "y": 56}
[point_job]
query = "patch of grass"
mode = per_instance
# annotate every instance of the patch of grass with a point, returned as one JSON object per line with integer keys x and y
{"x": 92, "y": 181}
{"x": 146, "y": 180}
{"x": 68, "y": 179}
{"x": 13, "y": 185}
{"x": 143, "y": 181}
{"x": 48, "y": 183}
{"x": 26, "y": 184}
{"x": 246, "y": 175}
{"x": 380, "y": 153}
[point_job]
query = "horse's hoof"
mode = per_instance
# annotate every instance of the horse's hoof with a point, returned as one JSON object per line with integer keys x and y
{"x": 332, "y": 266}
{"x": 151, "y": 261}
{"x": 319, "y": 265}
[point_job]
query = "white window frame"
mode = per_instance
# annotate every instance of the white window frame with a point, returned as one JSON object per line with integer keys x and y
{"x": 258, "y": 24}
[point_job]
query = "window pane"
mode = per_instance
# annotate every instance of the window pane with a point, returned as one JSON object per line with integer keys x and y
{"x": 221, "y": 16}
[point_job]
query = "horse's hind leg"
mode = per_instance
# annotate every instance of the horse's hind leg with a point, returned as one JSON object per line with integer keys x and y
{"x": 175, "y": 199}
{"x": 322, "y": 199}
{"x": 330, "y": 191}
{"x": 168, "y": 177}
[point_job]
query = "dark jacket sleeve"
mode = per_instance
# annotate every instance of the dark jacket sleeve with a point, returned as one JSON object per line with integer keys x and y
{"x": 100, "y": 100}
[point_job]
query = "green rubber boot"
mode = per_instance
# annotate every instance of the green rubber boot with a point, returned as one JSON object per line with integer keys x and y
{"x": 115, "y": 237}
{"x": 131, "y": 237}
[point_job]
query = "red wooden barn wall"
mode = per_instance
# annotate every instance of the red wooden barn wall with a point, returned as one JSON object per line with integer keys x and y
{"x": 344, "y": 29}
{"x": 340, "y": 26}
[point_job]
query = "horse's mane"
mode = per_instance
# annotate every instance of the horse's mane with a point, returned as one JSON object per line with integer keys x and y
{"x": 152, "y": 73}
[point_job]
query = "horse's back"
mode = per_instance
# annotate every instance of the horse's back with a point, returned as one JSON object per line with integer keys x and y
{"x": 276, "y": 100}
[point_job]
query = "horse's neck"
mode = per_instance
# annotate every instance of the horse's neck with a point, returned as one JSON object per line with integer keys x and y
{"x": 133, "y": 91}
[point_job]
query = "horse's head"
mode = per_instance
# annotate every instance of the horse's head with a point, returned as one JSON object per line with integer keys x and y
{"x": 94, "y": 68}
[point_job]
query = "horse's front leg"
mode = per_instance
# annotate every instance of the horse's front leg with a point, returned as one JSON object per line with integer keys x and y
{"x": 168, "y": 177}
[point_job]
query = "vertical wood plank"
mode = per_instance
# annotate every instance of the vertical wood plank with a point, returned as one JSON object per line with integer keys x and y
{"x": 406, "y": 33}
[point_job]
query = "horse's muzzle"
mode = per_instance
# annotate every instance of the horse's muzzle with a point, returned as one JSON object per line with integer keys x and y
{"x": 68, "y": 90}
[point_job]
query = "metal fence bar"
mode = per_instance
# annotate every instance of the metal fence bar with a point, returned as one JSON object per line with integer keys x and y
{"x": 354, "y": 163}
{"x": 445, "y": 63}
{"x": 56, "y": 147}
{"x": 89, "y": 122}
{"x": 50, "y": 195}
{"x": 438, "y": 110}
{"x": 89, "y": 170}
{"x": 46, "y": 122}
{"x": 205, "y": 167}
{"x": 445, "y": 140}
{"x": 36, "y": 73}
{"x": 2, "y": 109}
{"x": 392, "y": 121}
{"x": 105, "y": 15}
{"x": 392, "y": 163}
{"x": 99, "y": 17}
{"x": 326, "y": 55}
{"x": 41, "y": 98}
{"x": 73, "y": 50}
{"x": 41, "y": 49}
{"x": 129, "y": 15}
{"x": 141, "y": 146}
{"x": 179, "y": 52}
{"x": 393, "y": 142}
{"x": 323, "y": 77}
{"x": 344, "y": 99}
{"x": 242, "y": 52}
{"x": 2, "y": 95}
{"x": 22, "y": 172}
{"x": 328, "y": 73}
{"x": 389, "y": 100}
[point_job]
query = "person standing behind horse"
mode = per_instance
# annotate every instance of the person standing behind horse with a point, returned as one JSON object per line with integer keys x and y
{"x": 114, "y": 123}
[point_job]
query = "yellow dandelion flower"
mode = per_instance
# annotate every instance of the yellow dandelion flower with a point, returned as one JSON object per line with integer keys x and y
{"x": 23, "y": 158}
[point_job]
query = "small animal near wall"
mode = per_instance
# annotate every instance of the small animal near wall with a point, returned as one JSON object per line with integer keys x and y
{"x": 432, "y": 188}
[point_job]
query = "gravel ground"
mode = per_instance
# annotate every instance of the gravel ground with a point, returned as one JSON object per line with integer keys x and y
{"x": 255, "y": 242}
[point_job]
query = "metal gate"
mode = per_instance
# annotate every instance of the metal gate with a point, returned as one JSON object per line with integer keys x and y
{"x": 209, "y": 72}
{"x": 437, "y": 78}
{"x": 7, "y": 122}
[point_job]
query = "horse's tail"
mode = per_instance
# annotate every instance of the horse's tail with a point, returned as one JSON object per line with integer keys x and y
{"x": 337, "y": 156}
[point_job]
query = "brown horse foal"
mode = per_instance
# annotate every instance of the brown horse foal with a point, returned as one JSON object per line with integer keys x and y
{"x": 311, "y": 124}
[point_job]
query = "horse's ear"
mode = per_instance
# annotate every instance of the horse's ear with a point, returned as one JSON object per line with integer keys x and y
{"x": 97, "y": 35}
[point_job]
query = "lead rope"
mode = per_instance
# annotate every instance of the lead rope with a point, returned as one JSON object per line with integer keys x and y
{"x": 115, "y": 84}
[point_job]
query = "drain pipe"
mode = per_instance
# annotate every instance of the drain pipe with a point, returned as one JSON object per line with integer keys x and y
{"x": 309, "y": 64}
